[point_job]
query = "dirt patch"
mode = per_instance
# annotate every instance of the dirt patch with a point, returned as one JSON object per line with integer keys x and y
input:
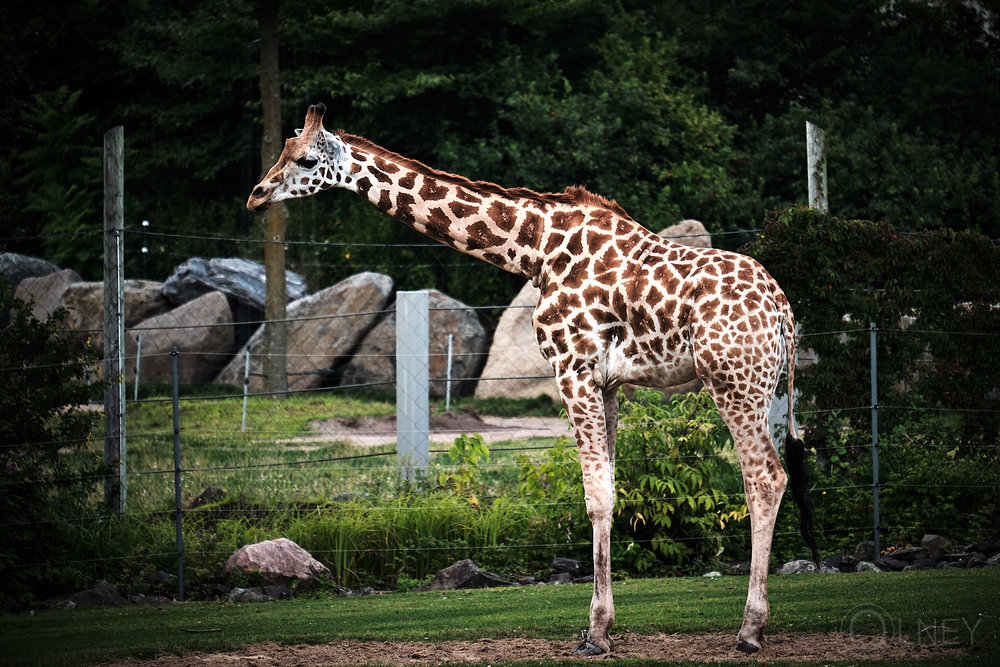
{"x": 444, "y": 428}
{"x": 699, "y": 648}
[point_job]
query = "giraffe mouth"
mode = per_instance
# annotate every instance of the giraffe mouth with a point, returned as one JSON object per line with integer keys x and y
{"x": 263, "y": 206}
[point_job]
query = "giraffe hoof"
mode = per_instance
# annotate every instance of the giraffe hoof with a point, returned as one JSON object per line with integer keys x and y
{"x": 743, "y": 646}
{"x": 589, "y": 648}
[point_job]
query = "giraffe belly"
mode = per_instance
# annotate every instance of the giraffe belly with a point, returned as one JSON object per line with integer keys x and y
{"x": 615, "y": 366}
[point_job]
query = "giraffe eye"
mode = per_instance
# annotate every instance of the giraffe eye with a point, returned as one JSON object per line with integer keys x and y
{"x": 306, "y": 162}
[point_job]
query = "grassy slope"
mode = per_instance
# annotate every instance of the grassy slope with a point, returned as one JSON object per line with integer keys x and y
{"x": 813, "y": 603}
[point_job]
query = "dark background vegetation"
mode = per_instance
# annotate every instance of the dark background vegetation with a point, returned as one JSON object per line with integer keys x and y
{"x": 675, "y": 109}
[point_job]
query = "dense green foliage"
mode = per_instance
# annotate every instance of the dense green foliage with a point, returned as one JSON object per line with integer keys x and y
{"x": 677, "y": 482}
{"x": 933, "y": 299}
{"x": 679, "y": 109}
{"x": 49, "y": 471}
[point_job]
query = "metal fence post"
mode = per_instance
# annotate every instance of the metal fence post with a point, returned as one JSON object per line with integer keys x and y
{"x": 412, "y": 381}
{"x": 875, "y": 490}
{"x": 138, "y": 359}
{"x": 447, "y": 390}
{"x": 178, "y": 517}
{"x": 246, "y": 389}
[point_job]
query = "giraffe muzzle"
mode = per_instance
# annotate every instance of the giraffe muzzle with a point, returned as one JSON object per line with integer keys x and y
{"x": 254, "y": 205}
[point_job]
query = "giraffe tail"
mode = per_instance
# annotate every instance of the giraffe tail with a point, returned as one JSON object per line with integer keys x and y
{"x": 795, "y": 450}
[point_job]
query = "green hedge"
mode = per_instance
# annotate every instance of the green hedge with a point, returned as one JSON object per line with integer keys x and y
{"x": 935, "y": 298}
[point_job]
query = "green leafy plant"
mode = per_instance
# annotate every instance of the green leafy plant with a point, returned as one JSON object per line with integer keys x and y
{"x": 674, "y": 479}
{"x": 49, "y": 472}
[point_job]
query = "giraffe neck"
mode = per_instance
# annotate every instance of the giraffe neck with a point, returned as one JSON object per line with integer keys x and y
{"x": 502, "y": 227}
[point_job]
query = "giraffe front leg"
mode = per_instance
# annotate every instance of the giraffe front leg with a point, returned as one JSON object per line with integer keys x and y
{"x": 588, "y": 414}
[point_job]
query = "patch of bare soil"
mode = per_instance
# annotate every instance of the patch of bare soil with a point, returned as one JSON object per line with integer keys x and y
{"x": 444, "y": 428}
{"x": 698, "y": 648}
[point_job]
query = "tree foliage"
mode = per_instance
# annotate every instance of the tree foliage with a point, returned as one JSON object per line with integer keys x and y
{"x": 49, "y": 470}
{"x": 681, "y": 109}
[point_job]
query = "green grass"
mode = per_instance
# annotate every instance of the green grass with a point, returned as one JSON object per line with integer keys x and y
{"x": 258, "y": 464}
{"x": 800, "y": 604}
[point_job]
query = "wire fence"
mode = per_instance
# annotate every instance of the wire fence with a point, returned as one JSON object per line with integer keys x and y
{"x": 329, "y": 436}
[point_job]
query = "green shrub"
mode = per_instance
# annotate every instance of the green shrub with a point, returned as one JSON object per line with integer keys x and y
{"x": 675, "y": 479}
{"x": 50, "y": 474}
{"x": 677, "y": 485}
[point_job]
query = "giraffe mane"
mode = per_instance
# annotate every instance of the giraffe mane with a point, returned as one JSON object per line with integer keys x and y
{"x": 574, "y": 194}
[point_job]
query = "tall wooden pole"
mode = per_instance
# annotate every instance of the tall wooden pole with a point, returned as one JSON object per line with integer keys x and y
{"x": 816, "y": 166}
{"x": 275, "y": 219}
{"x": 114, "y": 319}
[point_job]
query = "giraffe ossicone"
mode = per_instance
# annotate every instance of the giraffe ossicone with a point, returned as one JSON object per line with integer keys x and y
{"x": 619, "y": 304}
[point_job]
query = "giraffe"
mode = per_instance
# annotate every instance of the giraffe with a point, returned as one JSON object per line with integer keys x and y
{"x": 618, "y": 304}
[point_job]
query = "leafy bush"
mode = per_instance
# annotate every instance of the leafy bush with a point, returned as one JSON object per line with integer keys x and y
{"x": 676, "y": 487}
{"x": 933, "y": 297}
{"x": 48, "y": 476}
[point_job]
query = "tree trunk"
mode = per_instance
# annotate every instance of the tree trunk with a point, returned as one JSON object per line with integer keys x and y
{"x": 275, "y": 219}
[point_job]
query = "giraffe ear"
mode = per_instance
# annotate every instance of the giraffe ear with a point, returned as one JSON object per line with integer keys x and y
{"x": 332, "y": 146}
{"x": 298, "y": 131}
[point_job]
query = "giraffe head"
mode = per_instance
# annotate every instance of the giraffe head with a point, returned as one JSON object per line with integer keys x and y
{"x": 311, "y": 161}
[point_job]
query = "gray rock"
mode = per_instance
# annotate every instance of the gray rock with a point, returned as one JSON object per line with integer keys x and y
{"x": 713, "y": 574}
{"x": 893, "y": 564}
{"x": 277, "y": 561}
{"x": 202, "y": 331}
{"x": 15, "y": 267}
{"x": 248, "y": 595}
{"x": 514, "y": 353}
{"x": 993, "y": 561}
{"x": 569, "y": 565}
{"x": 688, "y": 232}
{"x": 327, "y": 326}
{"x": 866, "y": 551}
{"x": 85, "y": 303}
{"x": 561, "y": 578}
{"x": 101, "y": 595}
{"x": 936, "y": 544}
{"x": 46, "y": 291}
{"x": 842, "y": 562}
{"x": 464, "y": 574}
{"x": 797, "y": 567}
{"x": 909, "y": 554}
{"x": 867, "y": 566}
{"x": 987, "y": 547}
{"x": 278, "y": 592}
{"x": 374, "y": 362}
{"x": 239, "y": 278}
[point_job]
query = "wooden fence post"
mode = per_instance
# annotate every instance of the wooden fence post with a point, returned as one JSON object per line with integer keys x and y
{"x": 816, "y": 167}
{"x": 114, "y": 319}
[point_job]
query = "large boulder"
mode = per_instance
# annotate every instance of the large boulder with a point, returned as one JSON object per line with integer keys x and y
{"x": 514, "y": 353}
{"x": 240, "y": 279}
{"x": 46, "y": 291}
{"x": 201, "y": 329}
{"x": 85, "y": 303}
{"x": 325, "y": 326}
{"x": 279, "y": 561}
{"x": 688, "y": 232}
{"x": 15, "y": 267}
{"x": 464, "y": 574}
{"x": 374, "y": 362}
